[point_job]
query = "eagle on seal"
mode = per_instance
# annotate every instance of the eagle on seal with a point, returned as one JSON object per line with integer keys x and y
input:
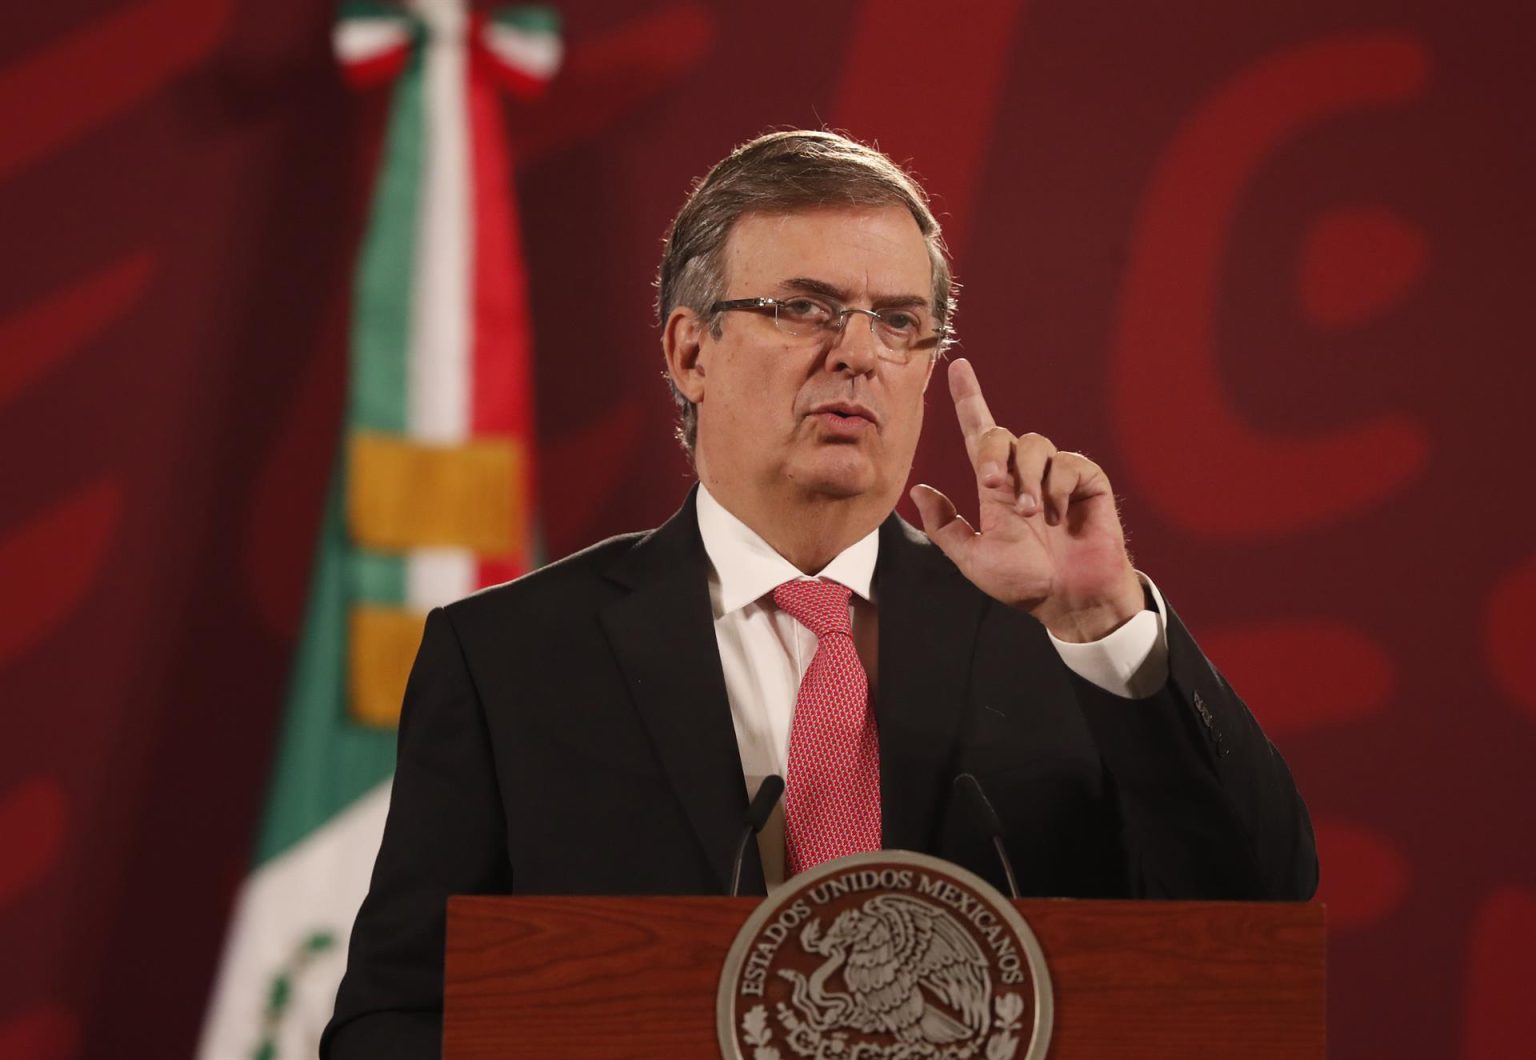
{"x": 909, "y": 969}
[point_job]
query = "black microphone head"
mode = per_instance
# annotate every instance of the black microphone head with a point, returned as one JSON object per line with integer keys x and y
{"x": 988, "y": 812}
{"x": 767, "y": 797}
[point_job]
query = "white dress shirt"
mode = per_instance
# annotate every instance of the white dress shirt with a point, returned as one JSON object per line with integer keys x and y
{"x": 764, "y": 652}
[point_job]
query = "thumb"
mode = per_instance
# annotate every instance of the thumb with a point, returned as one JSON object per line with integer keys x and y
{"x": 943, "y": 523}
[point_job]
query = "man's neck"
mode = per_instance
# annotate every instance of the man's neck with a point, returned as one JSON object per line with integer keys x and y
{"x": 808, "y": 531}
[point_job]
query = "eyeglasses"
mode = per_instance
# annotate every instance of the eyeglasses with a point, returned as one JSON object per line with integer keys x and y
{"x": 899, "y": 331}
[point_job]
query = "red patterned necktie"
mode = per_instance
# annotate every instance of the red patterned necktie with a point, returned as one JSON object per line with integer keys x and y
{"x": 832, "y": 796}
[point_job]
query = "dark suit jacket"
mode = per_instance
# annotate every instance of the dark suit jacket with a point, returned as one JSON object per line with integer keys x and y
{"x": 569, "y": 733}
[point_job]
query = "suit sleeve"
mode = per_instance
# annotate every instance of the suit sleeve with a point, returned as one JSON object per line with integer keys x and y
{"x": 1208, "y": 807}
{"x": 445, "y": 834}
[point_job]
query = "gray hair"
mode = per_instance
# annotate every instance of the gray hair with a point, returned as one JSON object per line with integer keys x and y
{"x": 782, "y": 172}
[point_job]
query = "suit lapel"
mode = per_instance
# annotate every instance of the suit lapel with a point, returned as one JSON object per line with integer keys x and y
{"x": 662, "y": 634}
{"x": 929, "y": 615}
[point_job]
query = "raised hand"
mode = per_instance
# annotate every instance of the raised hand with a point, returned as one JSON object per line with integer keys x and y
{"x": 1050, "y": 540}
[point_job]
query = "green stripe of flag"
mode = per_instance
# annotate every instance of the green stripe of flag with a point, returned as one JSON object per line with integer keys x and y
{"x": 325, "y": 761}
{"x": 381, "y": 312}
{"x": 529, "y": 18}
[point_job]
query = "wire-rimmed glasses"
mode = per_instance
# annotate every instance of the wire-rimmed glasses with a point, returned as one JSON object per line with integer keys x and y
{"x": 899, "y": 330}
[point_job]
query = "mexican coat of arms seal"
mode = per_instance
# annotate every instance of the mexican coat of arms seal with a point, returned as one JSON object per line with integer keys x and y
{"x": 885, "y": 956}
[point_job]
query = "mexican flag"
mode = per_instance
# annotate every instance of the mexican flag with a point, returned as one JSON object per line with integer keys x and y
{"x": 431, "y": 496}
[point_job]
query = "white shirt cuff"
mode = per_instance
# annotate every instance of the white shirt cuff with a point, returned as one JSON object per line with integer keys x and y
{"x": 1131, "y": 662}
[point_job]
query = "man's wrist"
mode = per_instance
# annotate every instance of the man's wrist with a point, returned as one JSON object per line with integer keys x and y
{"x": 1095, "y": 621}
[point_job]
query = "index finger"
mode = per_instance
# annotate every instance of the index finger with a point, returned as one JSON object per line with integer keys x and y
{"x": 970, "y": 407}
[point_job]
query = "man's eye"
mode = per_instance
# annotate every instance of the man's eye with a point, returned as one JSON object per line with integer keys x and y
{"x": 900, "y": 320}
{"x": 805, "y": 309}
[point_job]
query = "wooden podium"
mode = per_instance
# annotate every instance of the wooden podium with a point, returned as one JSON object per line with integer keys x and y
{"x": 637, "y": 977}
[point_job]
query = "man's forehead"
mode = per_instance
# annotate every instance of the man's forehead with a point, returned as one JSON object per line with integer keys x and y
{"x": 876, "y": 246}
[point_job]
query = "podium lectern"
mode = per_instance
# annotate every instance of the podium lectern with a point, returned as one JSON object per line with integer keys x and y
{"x": 637, "y": 977}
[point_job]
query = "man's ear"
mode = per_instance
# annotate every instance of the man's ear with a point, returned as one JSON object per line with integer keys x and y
{"x": 682, "y": 340}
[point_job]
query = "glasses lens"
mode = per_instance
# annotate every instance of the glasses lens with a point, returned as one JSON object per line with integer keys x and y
{"x": 803, "y": 316}
{"x": 899, "y": 329}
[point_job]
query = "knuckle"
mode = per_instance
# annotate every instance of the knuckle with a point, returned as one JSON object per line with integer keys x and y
{"x": 1089, "y": 468}
{"x": 996, "y": 441}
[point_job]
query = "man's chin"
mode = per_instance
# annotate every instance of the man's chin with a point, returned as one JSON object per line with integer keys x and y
{"x": 837, "y": 472}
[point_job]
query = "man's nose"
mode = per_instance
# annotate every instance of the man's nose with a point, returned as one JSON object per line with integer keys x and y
{"x": 854, "y": 348}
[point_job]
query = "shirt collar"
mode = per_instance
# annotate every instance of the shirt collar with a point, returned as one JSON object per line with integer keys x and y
{"x": 745, "y": 567}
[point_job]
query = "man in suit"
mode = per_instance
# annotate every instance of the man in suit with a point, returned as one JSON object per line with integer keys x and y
{"x": 598, "y": 726}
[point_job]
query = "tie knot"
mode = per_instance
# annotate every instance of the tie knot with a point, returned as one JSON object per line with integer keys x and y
{"x": 819, "y": 606}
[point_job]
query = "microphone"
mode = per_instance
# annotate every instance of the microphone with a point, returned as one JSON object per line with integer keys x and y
{"x": 763, "y": 802}
{"x": 993, "y": 824}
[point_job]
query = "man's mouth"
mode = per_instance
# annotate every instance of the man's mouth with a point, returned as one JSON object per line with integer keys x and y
{"x": 843, "y": 420}
{"x": 845, "y": 410}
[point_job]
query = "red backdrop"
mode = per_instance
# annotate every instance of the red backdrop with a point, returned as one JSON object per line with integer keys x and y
{"x": 1264, "y": 262}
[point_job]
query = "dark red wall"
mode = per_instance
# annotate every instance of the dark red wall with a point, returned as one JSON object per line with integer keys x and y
{"x": 1265, "y": 262}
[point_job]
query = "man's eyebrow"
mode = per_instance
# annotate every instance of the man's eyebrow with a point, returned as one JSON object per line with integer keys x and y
{"x": 828, "y": 290}
{"x": 810, "y": 286}
{"x": 902, "y": 301}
